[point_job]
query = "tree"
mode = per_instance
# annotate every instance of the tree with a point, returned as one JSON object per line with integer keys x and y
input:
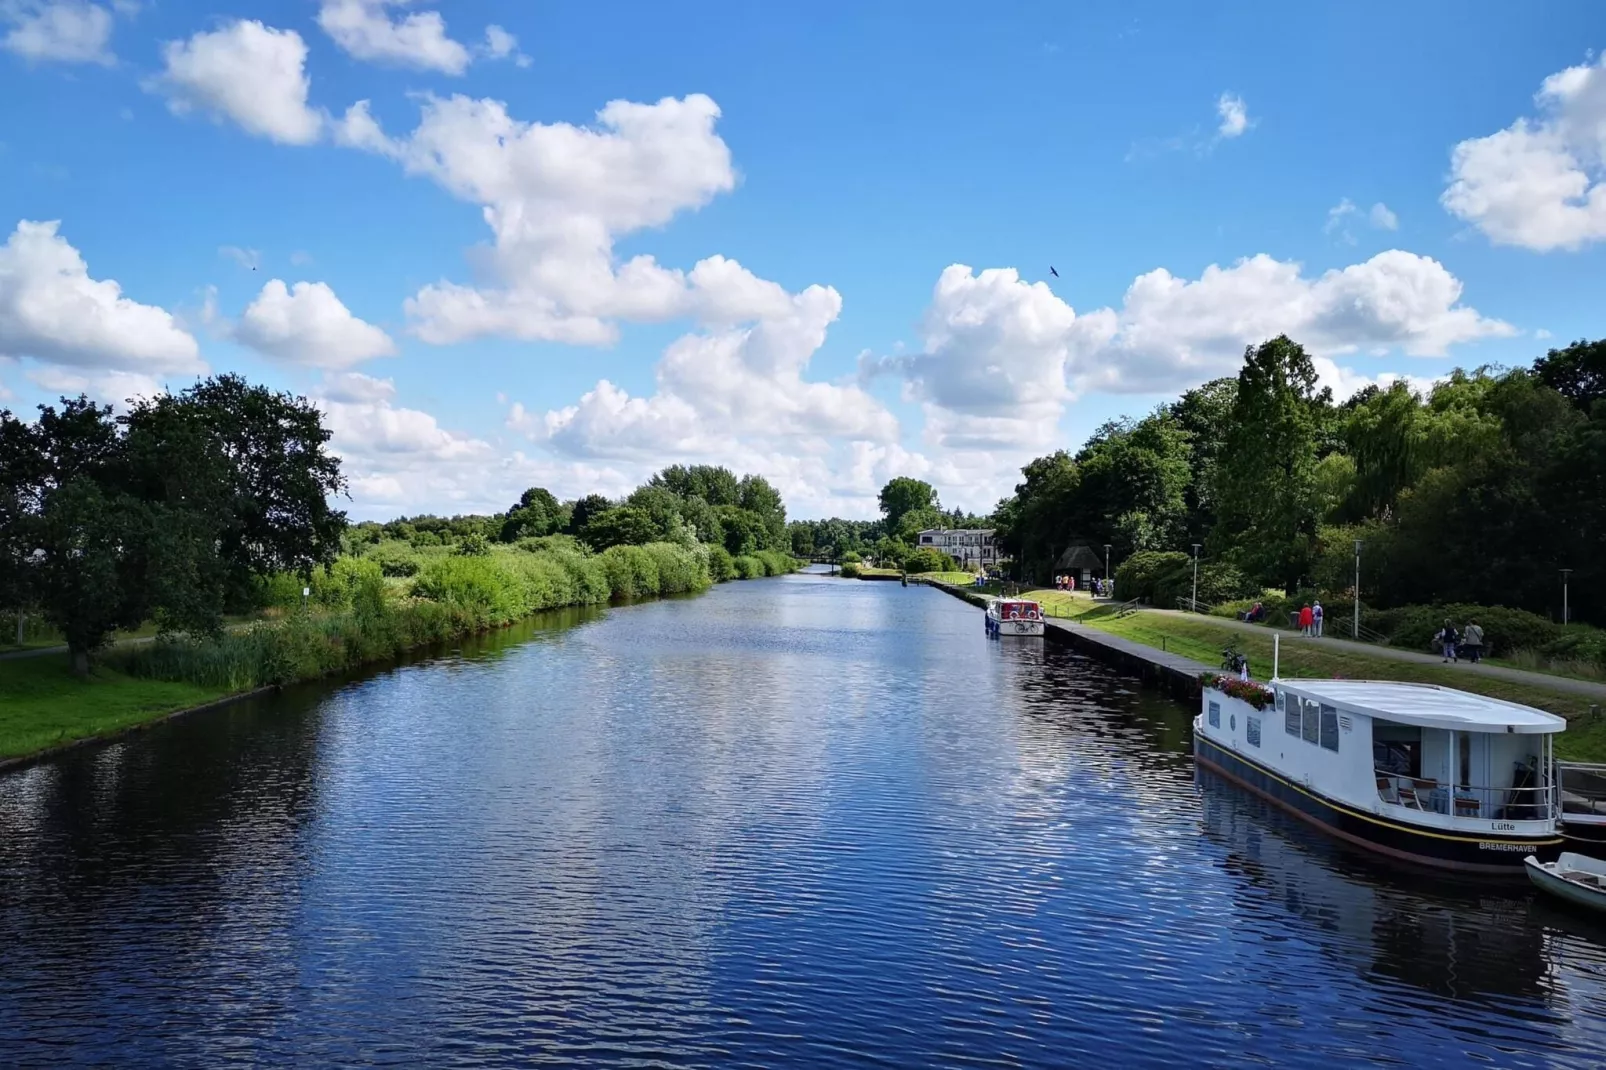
{"x": 741, "y": 531}
{"x": 905, "y": 495}
{"x": 19, "y": 482}
{"x": 756, "y": 496}
{"x": 624, "y": 526}
{"x": 1577, "y": 373}
{"x": 1267, "y": 499}
{"x": 584, "y": 509}
{"x": 716, "y": 486}
{"x": 537, "y": 513}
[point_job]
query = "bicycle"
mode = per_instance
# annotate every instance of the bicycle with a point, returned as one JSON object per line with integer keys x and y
{"x": 1232, "y": 661}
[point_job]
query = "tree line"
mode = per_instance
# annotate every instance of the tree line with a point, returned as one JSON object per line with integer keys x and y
{"x": 1481, "y": 491}
{"x": 908, "y": 506}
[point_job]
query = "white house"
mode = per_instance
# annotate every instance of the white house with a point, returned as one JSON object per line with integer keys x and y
{"x": 971, "y": 547}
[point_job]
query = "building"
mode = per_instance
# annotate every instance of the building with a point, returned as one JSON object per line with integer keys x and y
{"x": 1081, "y": 562}
{"x": 971, "y": 547}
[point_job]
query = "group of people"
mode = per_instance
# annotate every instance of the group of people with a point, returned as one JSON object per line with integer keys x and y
{"x": 1310, "y": 620}
{"x": 1065, "y": 583}
{"x": 1100, "y": 588}
{"x": 1453, "y": 644}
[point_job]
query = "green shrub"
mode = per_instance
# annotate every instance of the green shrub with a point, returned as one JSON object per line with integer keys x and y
{"x": 1142, "y": 574}
{"x": 748, "y": 567}
{"x": 473, "y": 545}
{"x": 776, "y": 563}
{"x": 850, "y": 570}
{"x": 1503, "y": 628}
{"x": 720, "y": 564}
{"x": 851, "y": 558}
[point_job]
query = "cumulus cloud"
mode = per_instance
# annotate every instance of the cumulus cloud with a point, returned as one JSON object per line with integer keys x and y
{"x": 1234, "y": 115}
{"x": 110, "y": 385}
{"x": 52, "y": 311}
{"x": 61, "y": 31}
{"x": 557, "y": 197}
{"x": 307, "y": 324}
{"x": 1541, "y": 182}
{"x": 246, "y": 72}
{"x": 1345, "y": 383}
{"x": 365, "y": 30}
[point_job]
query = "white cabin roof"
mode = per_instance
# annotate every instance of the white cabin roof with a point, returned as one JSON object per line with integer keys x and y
{"x": 1427, "y": 705}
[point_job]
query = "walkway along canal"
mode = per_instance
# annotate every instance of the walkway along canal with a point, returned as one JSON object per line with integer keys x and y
{"x": 805, "y": 823}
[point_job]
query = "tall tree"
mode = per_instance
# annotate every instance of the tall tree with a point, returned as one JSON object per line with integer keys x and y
{"x": 1577, "y": 373}
{"x": 905, "y": 495}
{"x": 1267, "y": 502}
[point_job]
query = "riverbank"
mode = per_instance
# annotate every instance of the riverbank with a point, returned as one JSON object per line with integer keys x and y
{"x": 1201, "y": 639}
{"x": 359, "y": 618}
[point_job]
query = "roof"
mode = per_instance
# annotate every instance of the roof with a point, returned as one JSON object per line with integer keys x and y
{"x": 956, "y": 531}
{"x": 1427, "y": 705}
{"x": 1076, "y": 557}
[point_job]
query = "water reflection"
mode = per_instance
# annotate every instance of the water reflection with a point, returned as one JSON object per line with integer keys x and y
{"x": 809, "y": 822}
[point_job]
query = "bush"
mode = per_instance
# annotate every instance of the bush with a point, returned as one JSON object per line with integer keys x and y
{"x": 776, "y": 563}
{"x": 721, "y": 566}
{"x": 748, "y": 567}
{"x": 852, "y": 557}
{"x": 1142, "y": 574}
{"x": 928, "y": 559}
{"x": 1503, "y": 628}
{"x": 473, "y": 545}
{"x": 850, "y": 570}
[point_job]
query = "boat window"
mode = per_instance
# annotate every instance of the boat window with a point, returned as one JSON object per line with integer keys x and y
{"x": 1311, "y": 720}
{"x": 1215, "y": 715}
{"x": 1252, "y": 730}
{"x": 1329, "y": 728}
{"x": 1282, "y": 697}
{"x": 1291, "y": 716}
{"x": 1397, "y": 748}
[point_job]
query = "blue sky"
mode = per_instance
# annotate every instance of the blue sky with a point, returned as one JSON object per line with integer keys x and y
{"x": 1404, "y": 187}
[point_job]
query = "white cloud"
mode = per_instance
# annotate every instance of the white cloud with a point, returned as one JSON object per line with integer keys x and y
{"x": 111, "y": 385}
{"x": 1541, "y": 333}
{"x": 1342, "y": 214}
{"x": 1172, "y": 331}
{"x": 499, "y": 44}
{"x": 557, "y": 197}
{"x": 64, "y": 31}
{"x": 1234, "y": 115}
{"x": 1541, "y": 182}
{"x": 250, "y": 259}
{"x": 247, "y": 72}
{"x": 51, "y": 310}
{"x": 1345, "y": 383}
{"x": 307, "y": 324}
{"x": 365, "y": 29}
{"x": 992, "y": 373}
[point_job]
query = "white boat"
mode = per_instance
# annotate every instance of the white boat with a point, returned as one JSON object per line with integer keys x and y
{"x": 1014, "y": 616}
{"x": 1416, "y": 772}
{"x": 1574, "y": 877}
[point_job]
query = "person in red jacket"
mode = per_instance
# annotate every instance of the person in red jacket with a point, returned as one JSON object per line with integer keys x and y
{"x": 1305, "y": 620}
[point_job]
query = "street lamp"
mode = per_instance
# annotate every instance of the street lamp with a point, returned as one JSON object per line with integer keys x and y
{"x": 1106, "y": 562}
{"x": 1357, "y": 631}
{"x": 1195, "y": 577}
{"x": 1564, "y": 574}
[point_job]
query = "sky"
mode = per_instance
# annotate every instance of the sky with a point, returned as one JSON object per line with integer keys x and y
{"x": 505, "y": 245}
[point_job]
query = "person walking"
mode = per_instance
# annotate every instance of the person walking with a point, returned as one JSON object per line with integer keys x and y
{"x": 1305, "y": 620}
{"x": 1472, "y": 642}
{"x": 1447, "y": 640}
{"x": 1316, "y": 619}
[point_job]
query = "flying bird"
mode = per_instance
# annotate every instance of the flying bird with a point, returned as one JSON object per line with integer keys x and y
{"x": 1052, "y": 272}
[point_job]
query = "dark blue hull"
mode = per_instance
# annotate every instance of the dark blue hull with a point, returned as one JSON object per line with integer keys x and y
{"x": 1489, "y": 855}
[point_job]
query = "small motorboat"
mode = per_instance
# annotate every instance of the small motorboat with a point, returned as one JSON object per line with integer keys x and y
{"x": 1575, "y": 877}
{"x": 1014, "y": 616}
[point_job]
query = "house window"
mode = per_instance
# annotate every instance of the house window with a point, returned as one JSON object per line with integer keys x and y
{"x": 1215, "y": 715}
{"x": 1329, "y": 729}
{"x": 1311, "y": 720}
{"x": 1252, "y": 730}
{"x": 1291, "y": 716}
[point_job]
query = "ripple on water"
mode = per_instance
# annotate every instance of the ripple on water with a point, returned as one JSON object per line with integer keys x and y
{"x": 804, "y": 823}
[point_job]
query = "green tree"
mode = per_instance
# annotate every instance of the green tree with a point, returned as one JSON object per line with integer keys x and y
{"x": 537, "y": 513}
{"x": 583, "y": 510}
{"x": 714, "y": 485}
{"x": 905, "y": 495}
{"x": 1267, "y": 504}
{"x": 741, "y": 531}
{"x": 1577, "y": 373}
{"x": 623, "y": 526}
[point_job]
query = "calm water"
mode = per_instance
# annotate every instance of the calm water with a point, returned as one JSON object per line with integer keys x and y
{"x": 797, "y": 823}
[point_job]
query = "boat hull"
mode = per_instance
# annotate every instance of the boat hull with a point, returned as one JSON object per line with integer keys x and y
{"x": 1461, "y": 853}
{"x": 1547, "y": 881}
{"x": 1024, "y": 629}
{"x": 1585, "y": 838}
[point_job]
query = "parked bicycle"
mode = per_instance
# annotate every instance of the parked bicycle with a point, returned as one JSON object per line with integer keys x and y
{"x": 1233, "y": 661}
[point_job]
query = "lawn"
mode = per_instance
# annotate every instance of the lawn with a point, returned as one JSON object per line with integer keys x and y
{"x": 957, "y": 579}
{"x": 43, "y": 705}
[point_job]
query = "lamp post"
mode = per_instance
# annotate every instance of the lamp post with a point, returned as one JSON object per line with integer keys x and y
{"x": 1564, "y": 573}
{"x": 1195, "y": 600}
{"x": 1106, "y": 562}
{"x": 1357, "y": 632}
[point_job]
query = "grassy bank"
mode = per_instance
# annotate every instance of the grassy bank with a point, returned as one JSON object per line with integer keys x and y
{"x": 1202, "y": 640}
{"x": 362, "y": 609}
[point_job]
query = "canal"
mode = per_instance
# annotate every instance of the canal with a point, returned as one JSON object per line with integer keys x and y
{"x": 805, "y": 822}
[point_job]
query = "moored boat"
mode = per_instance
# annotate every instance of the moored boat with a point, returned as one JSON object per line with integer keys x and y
{"x": 1014, "y": 616}
{"x": 1583, "y": 807}
{"x": 1416, "y": 772}
{"x": 1574, "y": 877}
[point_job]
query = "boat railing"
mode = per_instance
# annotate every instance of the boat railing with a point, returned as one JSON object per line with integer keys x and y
{"x": 1467, "y": 800}
{"x": 1583, "y": 788}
